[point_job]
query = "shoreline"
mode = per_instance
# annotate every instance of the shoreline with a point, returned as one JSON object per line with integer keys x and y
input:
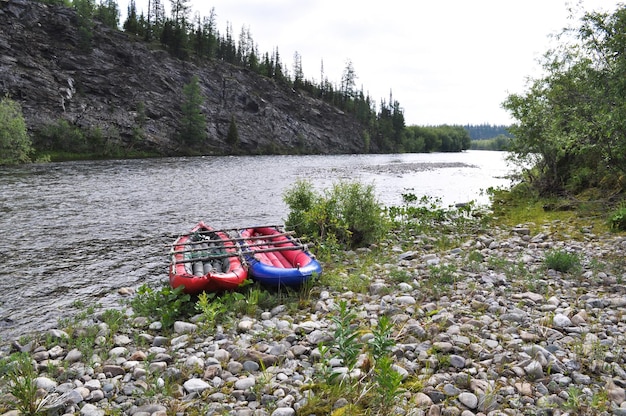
{"x": 483, "y": 328}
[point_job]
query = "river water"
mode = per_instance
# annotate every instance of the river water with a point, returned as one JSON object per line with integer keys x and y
{"x": 76, "y": 232}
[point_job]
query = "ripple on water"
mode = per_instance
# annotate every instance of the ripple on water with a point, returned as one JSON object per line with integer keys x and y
{"x": 79, "y": 231}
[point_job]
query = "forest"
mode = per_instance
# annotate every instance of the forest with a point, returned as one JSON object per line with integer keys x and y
{"x": 189, "y": 36}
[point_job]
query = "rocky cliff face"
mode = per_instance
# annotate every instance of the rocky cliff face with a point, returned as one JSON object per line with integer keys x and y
{"x": 43, "y": 68}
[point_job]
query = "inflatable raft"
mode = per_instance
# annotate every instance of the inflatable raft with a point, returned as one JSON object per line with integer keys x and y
{"x": 206, "y": 260}
{"x": 275, "y": 258}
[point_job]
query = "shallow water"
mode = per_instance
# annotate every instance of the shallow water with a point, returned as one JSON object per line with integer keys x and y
{"x": 79, "y": 231}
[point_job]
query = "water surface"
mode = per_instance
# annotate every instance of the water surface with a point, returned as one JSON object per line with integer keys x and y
{"x": 79, "y": 231}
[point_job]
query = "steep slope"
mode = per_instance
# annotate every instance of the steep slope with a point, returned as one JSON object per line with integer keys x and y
{"x": 44, "y": 69}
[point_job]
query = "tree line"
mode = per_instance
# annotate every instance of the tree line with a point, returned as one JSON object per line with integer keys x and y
{"x": 487, "y": 131}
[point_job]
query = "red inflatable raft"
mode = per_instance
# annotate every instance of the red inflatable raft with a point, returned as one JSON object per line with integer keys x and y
{"x": 206, "y": 260}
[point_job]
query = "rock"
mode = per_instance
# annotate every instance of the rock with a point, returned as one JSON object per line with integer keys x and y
{"x": 284, "y": 411}
{"x": 73, "y": 356}
{"x": 196, "y": 385}
{"x": 45, "y": 383}
{"x": 184, "y": 327}
{"x": 422, "y": 400}
{"x": 561, "y": 321}
{"x": 468, "y": 400}
{"x": 91, "y": 410}
{"x": 534, "y": 370}
{"x": 245, "y": 383}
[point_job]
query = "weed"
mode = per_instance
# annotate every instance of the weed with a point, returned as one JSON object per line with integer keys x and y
{"x": 381, "y": 343}
{"x": 441, "y": 279}
{"x": 388, "y": 382}
{"x": 617, "y": 219}
{"x": 562, "y": 261}
{"x": 114, "y": 318}
{"x": 387, "y": 379}
{"x": 211, "y": 307}
{"x": 166, "y": 304}
{"x": 345, "y": 336}
{"x": 21, "y": 375}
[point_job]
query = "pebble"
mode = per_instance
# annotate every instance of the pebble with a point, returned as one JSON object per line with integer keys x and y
{"x": 493, "y": 343}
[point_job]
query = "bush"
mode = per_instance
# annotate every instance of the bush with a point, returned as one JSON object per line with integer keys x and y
{"x": 562, "y": 261}
{"x": 617, "y": 219}
{"x": 167, "y": 304}
{"x": 347, "y": 214}
{"x": 15, "y": 145}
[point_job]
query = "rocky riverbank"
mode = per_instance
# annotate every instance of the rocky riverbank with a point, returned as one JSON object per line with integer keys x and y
{"x": 484, "y": 328}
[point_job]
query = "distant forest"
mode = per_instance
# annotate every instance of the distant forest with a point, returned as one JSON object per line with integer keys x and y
{"x": 488, "y": 137}
{"x": 486, "y": 131}
{"x": 188, "y": 35}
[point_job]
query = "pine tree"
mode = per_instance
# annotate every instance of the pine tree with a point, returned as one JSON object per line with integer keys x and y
{"x": 193, "y": 122}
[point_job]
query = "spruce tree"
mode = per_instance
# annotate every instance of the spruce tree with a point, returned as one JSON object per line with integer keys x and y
{"x": 193, "y": 122}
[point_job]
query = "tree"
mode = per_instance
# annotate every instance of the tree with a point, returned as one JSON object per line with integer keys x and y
{"x": 348, "y": 81}
{"x": 572, "y": 121}
{"x": 108, "y": 13}
{"x": 15, "y": 145}
{"x": 232, "y": 138}
{"x": 131, "y": 24}
{"x": 85, "y": 10}
{"x": 180, "y": 10}
{"x": 193, "y": 122}
{"x": 298, "y": 74}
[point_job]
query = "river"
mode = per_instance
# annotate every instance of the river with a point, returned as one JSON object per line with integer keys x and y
{"x": 76, "y": 232}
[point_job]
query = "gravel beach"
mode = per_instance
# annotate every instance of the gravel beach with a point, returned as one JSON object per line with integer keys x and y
{"x": 484, "y": 328}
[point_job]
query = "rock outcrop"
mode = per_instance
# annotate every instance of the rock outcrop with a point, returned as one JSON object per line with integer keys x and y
{"x": 45, "y": 69}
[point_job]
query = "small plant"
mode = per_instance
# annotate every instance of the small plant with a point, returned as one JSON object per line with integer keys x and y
{"x": 388, "y": 382}
{"x": 113, "y": 318}
{"x": 617, "y": 219}
{"x": 347, "y": 345}
{"x": 21, "y": 374}
{"x": 166, "y": 304}
{"x": 380, "y": 345}
{"x": 211, "y": 307}
{"x": 387, "y": 379}
{"x": 441, "y": 279}
{"x": 562, "y": 261}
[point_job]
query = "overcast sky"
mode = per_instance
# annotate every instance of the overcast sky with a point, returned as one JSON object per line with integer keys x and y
{"x": 444, "y": 61}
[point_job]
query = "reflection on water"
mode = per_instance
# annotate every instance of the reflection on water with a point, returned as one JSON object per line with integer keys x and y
{"x": 79, "y": 231}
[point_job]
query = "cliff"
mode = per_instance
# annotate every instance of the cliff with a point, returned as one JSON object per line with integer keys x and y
{"x": 43, "y": 68}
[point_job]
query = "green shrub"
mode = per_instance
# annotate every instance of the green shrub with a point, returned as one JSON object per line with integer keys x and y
{"x": 167, "y": 304}
{"x": 15, "y": 145}
{"x": 617, "y": 219}
{"x": 562, "y": 261}
{"x": 346, "y": 215}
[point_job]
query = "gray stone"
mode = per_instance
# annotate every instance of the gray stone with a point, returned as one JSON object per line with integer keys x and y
{"x": 196, "y": 385}
{"x": 534, "y": 370}
{"x": 45, "y": 383}
{"x": 245, "y": 383}
{"x": 181, "y": 327}
{"x": 284, "y": 411}
{"x": 91, "y": 410}
{"x": 468, "y": 400}
{"x": 561, "y": 321}
{"x": 73, "y": 356}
